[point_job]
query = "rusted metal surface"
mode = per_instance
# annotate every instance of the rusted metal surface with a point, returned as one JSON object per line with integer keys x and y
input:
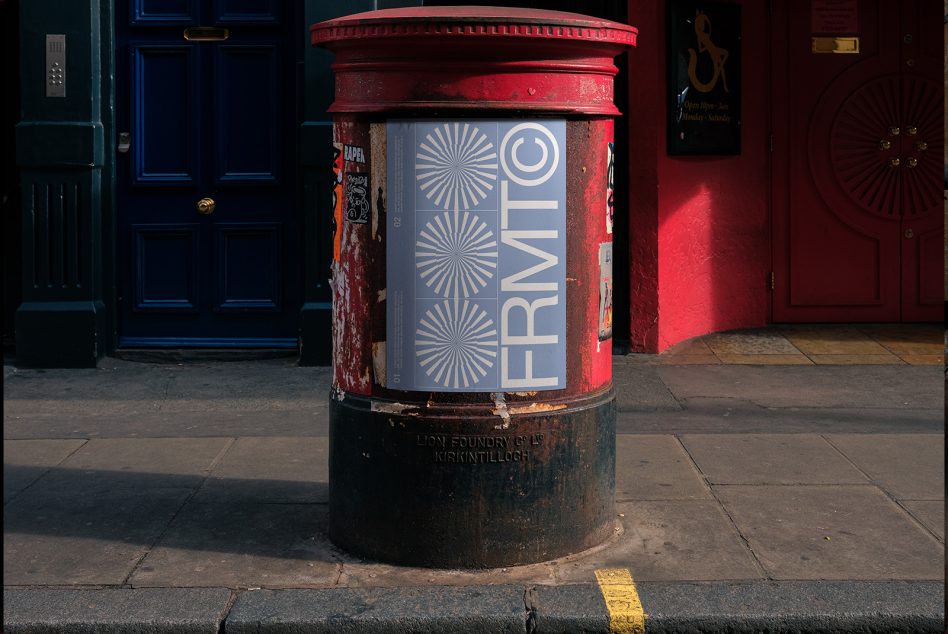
{"x": 443, "y": 488}
{"x": 470, "y": 479}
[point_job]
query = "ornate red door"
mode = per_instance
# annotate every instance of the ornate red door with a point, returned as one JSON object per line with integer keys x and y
{"x": 857, "y": 164}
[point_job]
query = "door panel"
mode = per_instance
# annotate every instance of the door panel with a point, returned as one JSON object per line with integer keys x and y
{"x": 163, "y": 12}
{"x": 166, "y": 258}
{"x": 207, "y": 119}
{"x": 831, "y": 279}
{"x": 258, "y": 12}
{"x": 167, "y": 105}
{"x": 249, "y": 257}
{"x": 923, "y": 195}
{"x": 247, "y": 137}
{"x": 847, "y": 176}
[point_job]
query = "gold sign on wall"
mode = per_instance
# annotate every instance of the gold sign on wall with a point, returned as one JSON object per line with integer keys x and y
{"x": 704, "y": 78}
{"x": 835, "y": 45}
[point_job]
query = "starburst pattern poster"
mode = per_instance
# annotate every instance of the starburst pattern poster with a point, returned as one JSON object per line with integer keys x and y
{"x": 476, "y": 224}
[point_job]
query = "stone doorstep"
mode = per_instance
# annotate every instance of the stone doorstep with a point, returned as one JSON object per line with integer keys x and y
{"x": 838, "y": 606}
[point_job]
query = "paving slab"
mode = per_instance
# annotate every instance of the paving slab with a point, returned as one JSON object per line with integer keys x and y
{"x": 108, "y": 464}
{"x": 690, "y": 359}
{"x": 919, "y": 333}
{"x": 192, "y": 386}
{"x": 653, "y": 467}
{"x": 85, "y": 538}
{"x": 831, "y": 532}
{"x": 763, "y": 341}
{"x": 642, "y": 388}
{"x": 838, "y": 341}
{"x": 924, "y": 359}
{"x": 765, "y": 359}
{"x": 689, "y": 540}
{"x": 184, "y": 400}
{"x": 905, "y": 347}
{"x": 908, "y": 466}
{"x": 25, "y": 461}
{"x": 931, "y": 513}
{"x": 113, "y": 610}
{"x": 243, "y": 545}
{"x": 728, "y": 415}
{"x": 181, "y": 424}
{"x": 856, "y": 359}
{"x": 125, "y": 388}
{"x": 230, "y": 386}
{"x": 474, "y": 610}
{"x": 862, "y": 387}
{"x": 270, "y": 470}
{"x": 770, "y": 459}
{"x": 688, "y": 348}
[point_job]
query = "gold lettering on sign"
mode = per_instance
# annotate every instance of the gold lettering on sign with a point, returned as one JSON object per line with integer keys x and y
{"x": 705, "y": 111}
{"x": 706, "y": 45}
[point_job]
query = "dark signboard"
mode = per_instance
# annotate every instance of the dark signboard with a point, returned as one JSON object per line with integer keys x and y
{"x": 704, "y": 82}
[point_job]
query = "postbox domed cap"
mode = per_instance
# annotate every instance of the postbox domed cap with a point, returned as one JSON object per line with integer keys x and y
{"x": 428, "y": 59}
{"x": 472, "y": 21}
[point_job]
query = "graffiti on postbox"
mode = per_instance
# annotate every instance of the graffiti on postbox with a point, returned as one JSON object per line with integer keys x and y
{"x": 476, "y": 255}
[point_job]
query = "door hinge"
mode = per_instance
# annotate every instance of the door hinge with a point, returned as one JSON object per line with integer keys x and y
{"x": 773, "y": 281}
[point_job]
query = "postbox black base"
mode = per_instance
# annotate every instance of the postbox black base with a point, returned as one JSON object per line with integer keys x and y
{"x": 447, "y": 486}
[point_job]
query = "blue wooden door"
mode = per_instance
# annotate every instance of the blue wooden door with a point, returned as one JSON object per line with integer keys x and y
{"x": 206, "y": 94}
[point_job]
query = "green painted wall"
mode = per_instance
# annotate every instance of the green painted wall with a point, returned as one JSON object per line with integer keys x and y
{"x": 65, "y": 177}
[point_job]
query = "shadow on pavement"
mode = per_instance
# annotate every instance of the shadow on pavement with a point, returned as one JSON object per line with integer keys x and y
{"x": 188, "y": 512}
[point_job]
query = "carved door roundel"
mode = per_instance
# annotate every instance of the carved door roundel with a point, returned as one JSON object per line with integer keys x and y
{"x": 884, "y": 147}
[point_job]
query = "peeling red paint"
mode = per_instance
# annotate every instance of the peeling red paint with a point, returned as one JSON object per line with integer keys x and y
{"x": 352, "y": 291}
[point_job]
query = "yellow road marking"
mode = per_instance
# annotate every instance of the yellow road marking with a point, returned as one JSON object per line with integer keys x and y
{"x": 626, "y": 615}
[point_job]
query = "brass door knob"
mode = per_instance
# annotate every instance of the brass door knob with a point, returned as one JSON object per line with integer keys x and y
{"x": 921, "y": 146}
{"x": 909, "y": 234}
{"x": 206, "y": 206}
{"x": 912, "y": 130}
{"x": 885, "y": 144}
{"x": 894, "y": 130}
{"x": 894, "y": 162}
{"x": 912, "y": 161}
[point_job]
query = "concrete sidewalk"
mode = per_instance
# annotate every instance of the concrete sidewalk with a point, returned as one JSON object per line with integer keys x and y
{"x": 192, "y": 497}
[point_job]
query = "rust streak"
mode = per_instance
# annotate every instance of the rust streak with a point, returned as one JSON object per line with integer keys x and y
{"x": 536, "y": 407}
{"x": 394, "y": 408}
{"x": 500, "y": 409}
{"x": 378, "y": 361}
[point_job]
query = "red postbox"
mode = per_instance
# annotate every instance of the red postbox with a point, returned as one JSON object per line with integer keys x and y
{"x": 472, "y": 414}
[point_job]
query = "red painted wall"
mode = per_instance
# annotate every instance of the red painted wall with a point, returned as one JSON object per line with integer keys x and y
{"x": 699, "y": 226}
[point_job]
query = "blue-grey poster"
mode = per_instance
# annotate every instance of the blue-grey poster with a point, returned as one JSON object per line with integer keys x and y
{"x": 476, "y": 255}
